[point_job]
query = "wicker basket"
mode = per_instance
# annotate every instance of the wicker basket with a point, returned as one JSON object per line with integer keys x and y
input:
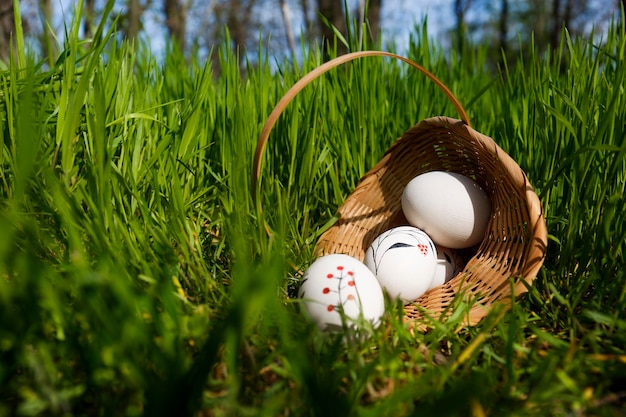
{"x": 514, "y": 246}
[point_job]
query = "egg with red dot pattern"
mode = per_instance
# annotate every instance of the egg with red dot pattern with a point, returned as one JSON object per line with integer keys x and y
{"x": 338, "y": 290}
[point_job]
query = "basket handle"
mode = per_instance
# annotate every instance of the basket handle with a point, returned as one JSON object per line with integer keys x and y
{"x": 308, "y": 78}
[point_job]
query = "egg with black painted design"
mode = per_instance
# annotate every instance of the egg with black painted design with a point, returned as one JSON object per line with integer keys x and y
{"x": 449, "y": 263}
{"x": 404, "y": 260}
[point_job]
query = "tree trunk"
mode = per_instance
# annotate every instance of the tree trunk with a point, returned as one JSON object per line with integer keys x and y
{"x": 567, "y": 15}
{"x": 332, "y": 10}
{"x": 176, "y": 21}
{"x": 235, "y": 26}
{"x": 7, "y": 29}
{"x": 284, "y": 7}
{"x": 133, "y": 19}
{"x": 460, "y": 8}
{"x": 504, "y": 26}
{"x": 89, "y": 18}
{"x": 308, "y": 24}
{"x": 373, "y": 17}
{"x": 48, "y": 45}
{"x": 556, "y": 23}
{"x": 238, "y": 22}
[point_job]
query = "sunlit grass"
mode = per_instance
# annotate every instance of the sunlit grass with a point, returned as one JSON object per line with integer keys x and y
{"x": 137, "y": 277}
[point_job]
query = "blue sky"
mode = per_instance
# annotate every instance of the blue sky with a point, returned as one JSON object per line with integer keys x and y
{"x": 399, "y": 17}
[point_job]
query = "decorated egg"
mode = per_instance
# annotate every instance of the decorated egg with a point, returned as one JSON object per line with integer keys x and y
{"x": 338, "y": 289}
{"x": 404, "y": 260}
{"x": 449, "y": 263}
{"x": 451, "y": 208}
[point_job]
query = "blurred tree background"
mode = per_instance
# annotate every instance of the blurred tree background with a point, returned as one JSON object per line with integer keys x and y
{"x": 285, "y": 26}
{"x": 510, "y": 27}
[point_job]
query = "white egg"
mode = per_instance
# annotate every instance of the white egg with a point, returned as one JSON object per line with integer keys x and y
{"x": 339, "y": 288}
{"x": 449, "y": 263}
{"x": 404, "y": 260}
{"x": 452, "y": 208}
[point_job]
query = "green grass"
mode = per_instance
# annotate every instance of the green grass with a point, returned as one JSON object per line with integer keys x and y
{"x": 136, "y": 277}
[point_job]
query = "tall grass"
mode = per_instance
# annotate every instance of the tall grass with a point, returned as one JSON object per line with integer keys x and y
{"x": 136, "y": 275}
